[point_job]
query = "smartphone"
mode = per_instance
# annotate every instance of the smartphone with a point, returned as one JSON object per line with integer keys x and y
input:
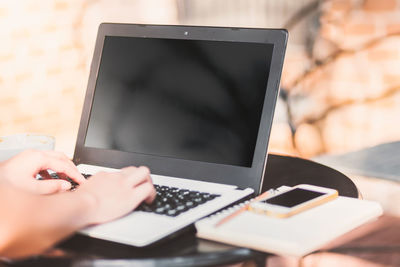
{"x": 293, "y": 201}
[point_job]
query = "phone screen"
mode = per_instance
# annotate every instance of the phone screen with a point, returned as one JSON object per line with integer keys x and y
{"x": 293, "y": 197}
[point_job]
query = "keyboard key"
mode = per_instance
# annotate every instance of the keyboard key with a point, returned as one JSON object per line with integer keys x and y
{"x": 172, "y": 212}
{"x": 74, "y": 184}
{"x": 199, "y": 200}
{"x": 172, "y": 201}
{"x": 190, "y": 204}
{"x": 160, "y": 210}
{"x": 181, "y": 208}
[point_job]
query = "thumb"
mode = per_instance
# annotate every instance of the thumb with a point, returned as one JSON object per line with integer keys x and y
{"x": 51, "y": 186}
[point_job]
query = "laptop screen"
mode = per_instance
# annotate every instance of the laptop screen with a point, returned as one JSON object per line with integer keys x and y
{"x": 186, "y": 99}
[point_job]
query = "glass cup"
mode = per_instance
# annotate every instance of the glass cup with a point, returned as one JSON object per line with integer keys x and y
{"x": 11, "y": 145}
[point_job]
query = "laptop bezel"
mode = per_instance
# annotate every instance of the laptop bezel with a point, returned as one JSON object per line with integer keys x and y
{"x": 203, "y": 171}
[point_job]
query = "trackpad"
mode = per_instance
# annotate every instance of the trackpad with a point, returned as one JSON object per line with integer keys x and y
{"x": 135, "y": 229}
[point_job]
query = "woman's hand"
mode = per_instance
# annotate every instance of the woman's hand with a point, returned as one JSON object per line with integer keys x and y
{"x": 115, "y": 194}
{"x": 21, "y": 171}
{"x": 31, "y": 223}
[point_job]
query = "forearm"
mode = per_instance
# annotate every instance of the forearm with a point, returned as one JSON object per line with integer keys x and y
{"x": 32, "y": 223}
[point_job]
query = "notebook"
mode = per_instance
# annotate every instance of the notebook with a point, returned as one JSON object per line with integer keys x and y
{"x": 194, "y": 104}
{"x": 295, "y": 236}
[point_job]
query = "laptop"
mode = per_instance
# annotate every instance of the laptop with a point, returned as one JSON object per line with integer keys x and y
{"x": 194, "y": 104}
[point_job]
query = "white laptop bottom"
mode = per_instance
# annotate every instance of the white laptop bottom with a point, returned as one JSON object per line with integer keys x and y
{"x": 141, "y": 228}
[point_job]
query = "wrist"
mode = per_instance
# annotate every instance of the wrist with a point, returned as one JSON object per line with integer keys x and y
{"x": 88, "y": 203}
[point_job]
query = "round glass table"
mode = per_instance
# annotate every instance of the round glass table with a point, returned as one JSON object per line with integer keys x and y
{"x": 185, "y": 249}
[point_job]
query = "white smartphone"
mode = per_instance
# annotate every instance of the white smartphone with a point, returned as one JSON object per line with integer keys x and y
{"x": 293, "y": 201}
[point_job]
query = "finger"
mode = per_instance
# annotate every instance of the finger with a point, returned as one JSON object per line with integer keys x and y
{"x": 61, "y": 156}
{"x": 142, "y": 192}
{"x": 50, "y": 186}
{"x": 73, "y": 171}
{"x": 64, "y": 177}
{"x": 137, "y": 176}
{"x": 54, "y": 154}
{"x": 152, "y": 195}
{"x": 59, "y": 165}
{"x": 150, "y": 180}
{"x": 46, "y": 176}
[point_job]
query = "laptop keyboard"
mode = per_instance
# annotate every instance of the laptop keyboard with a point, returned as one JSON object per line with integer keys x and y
{"x": 74, "y": 184}
{"x": 170, "y": 201}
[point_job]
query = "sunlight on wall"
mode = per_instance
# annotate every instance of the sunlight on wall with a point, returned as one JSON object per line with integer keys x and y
{"x": 45, "y": 52}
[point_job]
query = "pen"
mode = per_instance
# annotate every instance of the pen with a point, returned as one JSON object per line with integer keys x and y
{"x": 244, "y": 208}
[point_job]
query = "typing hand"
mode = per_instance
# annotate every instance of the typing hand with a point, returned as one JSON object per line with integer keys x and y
{"x": 21, "y": 171}
{"x": 115, "y": 194}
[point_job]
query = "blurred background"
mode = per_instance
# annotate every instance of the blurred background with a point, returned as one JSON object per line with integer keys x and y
{"x": 340, "y": 87}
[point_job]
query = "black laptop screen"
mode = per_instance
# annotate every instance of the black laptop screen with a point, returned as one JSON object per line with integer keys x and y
{"x": 185, "y": 99}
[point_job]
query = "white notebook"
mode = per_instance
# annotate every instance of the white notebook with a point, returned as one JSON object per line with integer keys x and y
{"x": 294, "y": 236}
